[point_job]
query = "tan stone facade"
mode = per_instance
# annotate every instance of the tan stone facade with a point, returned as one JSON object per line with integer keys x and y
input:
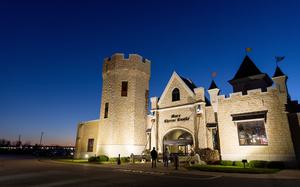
{"x": 252, "y": 124}
{"x": 280, "y": 146}
{"x": 122, "y": 129}
{"x": 86, "y": 130}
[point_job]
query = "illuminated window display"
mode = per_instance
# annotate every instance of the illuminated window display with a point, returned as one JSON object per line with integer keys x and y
{"x": 252, "y": 133}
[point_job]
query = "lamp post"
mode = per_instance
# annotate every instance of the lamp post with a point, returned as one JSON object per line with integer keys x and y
{"x": 244, "y": 162}
{"x": 42, "y": 133}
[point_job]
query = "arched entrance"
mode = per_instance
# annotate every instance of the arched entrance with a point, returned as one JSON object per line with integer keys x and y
{"x": 178, "y": 141}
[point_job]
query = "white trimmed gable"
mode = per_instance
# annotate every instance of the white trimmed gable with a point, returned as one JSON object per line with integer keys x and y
{"x": 186, "y": 94}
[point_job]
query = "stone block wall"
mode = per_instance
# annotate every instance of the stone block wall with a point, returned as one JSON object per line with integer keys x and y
{"x": 124, "y": 131}
{"x": 186, "y": 95}
{"x": 280, "y": 146}
{"x": 86, "y": 130}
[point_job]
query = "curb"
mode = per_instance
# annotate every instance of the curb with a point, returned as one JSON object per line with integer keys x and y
{"x": 284, "y": 174}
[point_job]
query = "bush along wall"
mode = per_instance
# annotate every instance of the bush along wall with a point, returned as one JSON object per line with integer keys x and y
{"x": 101, "y": 158}
{"x": 255, "y": 164}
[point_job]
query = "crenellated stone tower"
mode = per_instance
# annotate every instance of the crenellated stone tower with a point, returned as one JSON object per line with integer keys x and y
{"x": 124, "y": 105}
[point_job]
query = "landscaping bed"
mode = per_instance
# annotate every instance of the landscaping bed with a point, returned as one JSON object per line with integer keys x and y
{"x": 232, "y": 169}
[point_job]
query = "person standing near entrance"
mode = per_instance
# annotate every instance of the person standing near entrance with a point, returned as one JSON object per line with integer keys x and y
{"x": 166, "y": 157}
{"x": 176, "y": 161}
{"x": 153, "y": 157}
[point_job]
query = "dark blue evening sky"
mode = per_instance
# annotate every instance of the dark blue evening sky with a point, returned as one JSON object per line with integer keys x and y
{"x": 51, "y": 52}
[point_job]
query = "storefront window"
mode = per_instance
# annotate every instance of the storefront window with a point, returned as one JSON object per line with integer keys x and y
{"x": 252, "y": 133}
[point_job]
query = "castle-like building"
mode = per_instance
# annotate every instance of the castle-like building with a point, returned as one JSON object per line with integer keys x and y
{"x": 258, "y": 121}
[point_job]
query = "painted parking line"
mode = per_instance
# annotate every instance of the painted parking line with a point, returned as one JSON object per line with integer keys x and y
{"x": 191, "y": 177}
{"x": 141, "y": 172}
{"x": 195, "y": 177}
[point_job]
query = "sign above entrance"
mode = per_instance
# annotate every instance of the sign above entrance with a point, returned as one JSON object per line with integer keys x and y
{"x": 176, "y": 117}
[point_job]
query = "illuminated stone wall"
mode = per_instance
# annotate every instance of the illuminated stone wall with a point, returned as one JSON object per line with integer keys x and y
{"x": 181, "y": 114}
{"x": 86, "y": 130}
{"x": 279, "y": 146}
{"x": 124, "y": 131}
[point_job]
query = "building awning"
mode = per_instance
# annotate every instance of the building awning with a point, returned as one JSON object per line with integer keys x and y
{"x": 249, "y": 115}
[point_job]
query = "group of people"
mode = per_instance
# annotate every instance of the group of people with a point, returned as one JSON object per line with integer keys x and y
{"x": 166, "y": 157}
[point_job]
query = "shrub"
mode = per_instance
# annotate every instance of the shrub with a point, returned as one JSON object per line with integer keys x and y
{"x": 227, "y": 163}
{"x": 240, "y": 164}
{"x": 101, "y": 158}
{"x": 125, "y": 159}
{"x": 276, "y": 165}
{"x": 113, "y": 160}
{"x": 94, "y": 159}
{"x": 208, "y": 155}
{"x": 258, "y": 164}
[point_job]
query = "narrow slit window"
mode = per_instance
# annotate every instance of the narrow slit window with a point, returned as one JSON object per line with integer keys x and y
{"x": 124, "y": 89}
{"x": 146, "y": 99}
{"x": 106, "y": 110}
{"x": 90, "y": 146}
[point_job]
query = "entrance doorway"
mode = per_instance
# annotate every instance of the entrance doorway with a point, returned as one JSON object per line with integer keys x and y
{"x": 178, "y": 141}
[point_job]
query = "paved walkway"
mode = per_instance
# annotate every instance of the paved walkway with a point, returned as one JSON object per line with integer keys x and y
{"x": 160, "y": 169}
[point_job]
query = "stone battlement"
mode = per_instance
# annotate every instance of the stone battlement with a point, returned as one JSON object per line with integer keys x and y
{"x": 254, "y": 92}
{"x": 134, "y": 62}
{"x": 131, "y": 58}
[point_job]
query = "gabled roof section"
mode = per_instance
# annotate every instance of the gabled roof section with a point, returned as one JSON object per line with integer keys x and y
{"x": 278, "y": 72}
{"x": 246, "y": 69}
{"x": 187, "y": 84}
{"x": 213, "y": 85}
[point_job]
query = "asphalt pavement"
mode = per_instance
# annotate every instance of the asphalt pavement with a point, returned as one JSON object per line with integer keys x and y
{"x": 29, "y": 171}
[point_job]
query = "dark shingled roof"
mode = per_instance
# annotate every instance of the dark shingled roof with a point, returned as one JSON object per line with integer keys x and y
{"x": 278, "y": 72}
{"x": 247, "y": 68}
{"x": 212, "y": 85}
{"x": 189, "y": 83}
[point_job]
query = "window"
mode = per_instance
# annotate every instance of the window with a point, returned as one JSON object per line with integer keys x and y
{"x": 124, "y": 89}
{"x": 198, "y": 108}
{"x": 252, "y": 133}
{"x": 215, "y": 139}
{"x": 175, "y": 94}
{"x": 90, "y": 145}
{"x": 106, "y": 110}
{"x": 146, "y": 100}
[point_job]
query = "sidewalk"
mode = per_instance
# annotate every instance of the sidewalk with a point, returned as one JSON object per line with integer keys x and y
{"x": 160, "y": 169}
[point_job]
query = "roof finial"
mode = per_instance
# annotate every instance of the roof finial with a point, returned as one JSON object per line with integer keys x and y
{"x": 247, "y": 50}
{"x": 279, "y": 59}
{"x": 213, "y": 74}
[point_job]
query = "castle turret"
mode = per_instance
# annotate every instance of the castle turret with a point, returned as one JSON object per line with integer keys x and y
{"x": 280, "y": 80}
{"x": 124, "y": 105}
{"x": 214, "y": 91}
{"x": 249, "y": 77}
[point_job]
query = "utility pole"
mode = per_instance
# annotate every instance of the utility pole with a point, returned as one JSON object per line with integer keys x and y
{"x": 19, "y": 141}
{"x": 42, "y": 133}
